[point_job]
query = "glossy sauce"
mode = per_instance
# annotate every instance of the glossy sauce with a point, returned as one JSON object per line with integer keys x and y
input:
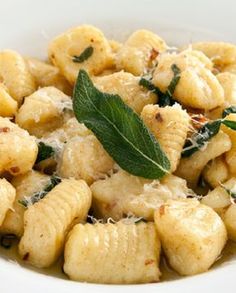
{"x": 229, "y": 254}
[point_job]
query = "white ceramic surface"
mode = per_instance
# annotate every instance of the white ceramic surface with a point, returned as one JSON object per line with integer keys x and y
{"x": 28, "y": 26}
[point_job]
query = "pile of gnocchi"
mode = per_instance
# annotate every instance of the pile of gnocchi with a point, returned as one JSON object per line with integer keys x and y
{"x": 62, "y": 194}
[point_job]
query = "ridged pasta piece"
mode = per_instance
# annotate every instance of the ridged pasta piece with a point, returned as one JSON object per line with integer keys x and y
{"x": 218, "y": 198}
{"x": 230, "y": 156}
{"x": 47, "y": 222}
{"x": 113, "y": 253}
{"x": 15, "y": 74}
{"x": 124, "y": 194}
{"x": 190, "y": 168}
{"x": 170, "y": 126}
{"x": 192, "y": 235}
{"x": 84, "y": 158}
{"x": 46, "y": 74}
{"x": 198, "y": 87}
{"x": 8, "y": 106}
{"x": 7, "y": 196}
{"x": 216, "y": 172}
{"x": 228, "y": 83}
{"x": 201, "y": 57}
{"x": 26, "y": 185}
{"x": 127, "y": 87}
{"x": 219, "y": 52}
{"x": 72, "y": 43}
{"x": 139, "y": 52}
{"x": 18, "y": 150}
{"x": 42, "y": 111}
{"x": 230, "y": 221}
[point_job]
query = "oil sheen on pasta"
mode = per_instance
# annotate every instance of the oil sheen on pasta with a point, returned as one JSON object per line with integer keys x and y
{"x": 168, "y": 274}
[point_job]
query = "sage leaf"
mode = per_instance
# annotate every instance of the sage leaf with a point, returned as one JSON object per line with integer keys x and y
{"x": 165, "y": 99}
{"x": 210, "y": 129}
{"x": 84, "y": 55}
{"x": 229, "y": 123}
{"x": 199, "y": 139}
{"x": 119, "y": 129}
{"x": 228, "y": 111}
{"x": 44, "y": 152}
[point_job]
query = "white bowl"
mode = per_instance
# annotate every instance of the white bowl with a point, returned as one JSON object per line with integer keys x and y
{"x": 28, "y": 26}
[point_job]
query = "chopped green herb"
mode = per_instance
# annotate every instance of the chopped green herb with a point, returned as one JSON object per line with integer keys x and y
{"x": 119, "y": 129}
{"x": 174, "y": 81}
{"x": 199, "y": 139}
{"x": 41, "y": 194}
{"x": 44, "y": 152}
{"x": 165, "y": 99}
{"x": 229, "y": 123}
{"x": 230, "y": 192}
{"x": 204, "y": 134}
{"x": 6, "y": 240}
{"x": 84, "y": 55}
{"x": 228, "y": 111}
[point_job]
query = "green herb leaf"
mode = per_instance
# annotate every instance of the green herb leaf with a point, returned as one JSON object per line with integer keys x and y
{"x": 84, "y": 55}
{"x": 44, "y": 152}
{"x": 199, "y": 139}
{"x": 229, "y": 123}
{"x": 174, "y": 81}
{"x": 228, "y": 111}
{"x": 120, "y": 130}
{"x": 204, "y": 134}
{"x": 41, "y": 194}
{"x": 165, "y": 99}
{"x": 230, "y": 192}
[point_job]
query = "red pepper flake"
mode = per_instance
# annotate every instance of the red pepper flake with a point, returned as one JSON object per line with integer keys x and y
{"x": 4, "y": 129}
{"x": 153, "y": 55}
{"x": 198, "y": 121}
{"x": 162, "y": 210}
{"x": 159, "y": 117}
{"x": 15, "y": 169}
{"x": 149, "y": 261}
{"x": 26, "y": 256}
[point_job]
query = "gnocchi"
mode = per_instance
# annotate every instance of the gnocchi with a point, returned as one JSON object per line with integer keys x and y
{"x": 115, "y": 157}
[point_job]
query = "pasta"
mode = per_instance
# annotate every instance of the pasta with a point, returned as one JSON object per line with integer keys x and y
{"x": 8, "y": 106}
{"x": 72, "y": 43}
{"x": 221, "y": 53}
{"x": 216, "y": 172}
{"x": 119, "y": 156}
{"x": 170, "y": 126}
{"x": 42, "y": 111}
{"x": 131, "y": 250}
{"x": 47, "y": 222}
{"x": 18, "y": 150}
{"x": 190, "y": 245}
{"x": 7, "y": 196}
{"x": 92, "y": 162}
{"x": 230, "y": 156}
{"x": 230, "y": 222}
{"x": 197, "y": 87}
{"x": 190, "y": 168}
{"x": 48, "y": 75}
{"x": 139, "y": 52}
{"x": 126, "y": 85}
{"x": 124, "y": 194}
{"x": 26, "y": 185}
{"x": 219, "y": 198}
{"x": 15, "y": 74}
